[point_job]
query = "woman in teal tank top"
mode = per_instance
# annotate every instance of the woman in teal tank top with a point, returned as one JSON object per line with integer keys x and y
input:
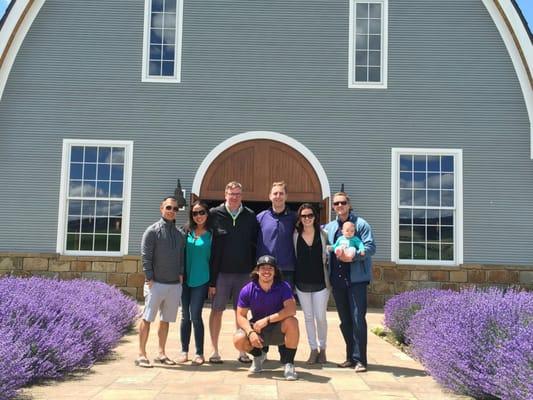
{"x": 196, "y": 280}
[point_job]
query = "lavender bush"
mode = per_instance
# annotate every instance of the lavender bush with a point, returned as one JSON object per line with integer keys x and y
{"x": 478, "y": 343}
{"x": 49, "y": 328}
{"x": 400, "y": 309}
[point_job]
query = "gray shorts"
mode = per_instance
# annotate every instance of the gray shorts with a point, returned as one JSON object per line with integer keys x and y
{"x": 228, "y": 287}
{"x": 271, "y": 334}
{"x": 163, "y": 297}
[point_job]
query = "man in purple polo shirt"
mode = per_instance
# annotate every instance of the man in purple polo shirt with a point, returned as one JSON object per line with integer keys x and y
{"x": 273, "y": 321}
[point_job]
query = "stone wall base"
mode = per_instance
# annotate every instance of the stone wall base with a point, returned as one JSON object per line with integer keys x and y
{"x": 389, "y": 279}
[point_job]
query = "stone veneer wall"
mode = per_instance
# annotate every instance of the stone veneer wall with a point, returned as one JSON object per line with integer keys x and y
{"x": 389, "y": 278}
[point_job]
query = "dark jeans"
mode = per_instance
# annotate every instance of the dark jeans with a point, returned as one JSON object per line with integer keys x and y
{"x": 351, "y": 305}
{"x": 192, "y": 302}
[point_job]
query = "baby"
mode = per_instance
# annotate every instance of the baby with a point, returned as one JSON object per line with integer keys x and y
{"x": 348, "y": 243}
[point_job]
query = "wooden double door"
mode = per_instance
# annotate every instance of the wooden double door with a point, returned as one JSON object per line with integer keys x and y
{"x": 258, "y": 163}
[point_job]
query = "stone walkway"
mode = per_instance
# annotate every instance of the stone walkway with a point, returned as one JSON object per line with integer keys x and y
{"x": 391, "y": 374}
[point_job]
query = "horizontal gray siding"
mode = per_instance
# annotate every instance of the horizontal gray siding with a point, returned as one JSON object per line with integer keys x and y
{"x": 272, "y": 65}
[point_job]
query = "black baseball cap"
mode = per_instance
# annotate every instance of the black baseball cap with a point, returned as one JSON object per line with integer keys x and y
{"x": 270, "y": 260}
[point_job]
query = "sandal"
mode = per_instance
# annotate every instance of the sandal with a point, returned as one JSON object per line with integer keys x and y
{"x": 243, "y": 358}
{"x": 198, "y": 360}
{"x": 215, "y": 359}
{"x": 164, "y": 360}
{"x": 143, "y": 362}
{"x": 182, "y": 358}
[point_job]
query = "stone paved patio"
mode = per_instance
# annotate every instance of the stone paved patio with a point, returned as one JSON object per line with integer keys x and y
{"x": 391, "y": 375}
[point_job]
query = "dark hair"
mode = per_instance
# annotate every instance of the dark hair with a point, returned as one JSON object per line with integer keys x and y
{"x": 278, "y": 275}
{"x": 192, "y": 225}
{"x": 299, "y": 225}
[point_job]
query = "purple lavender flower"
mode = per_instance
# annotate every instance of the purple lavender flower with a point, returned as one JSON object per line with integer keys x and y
{"x": 400, "y": 309}
{"x": 478, "y": 343}
{"x": 49, "y": 328}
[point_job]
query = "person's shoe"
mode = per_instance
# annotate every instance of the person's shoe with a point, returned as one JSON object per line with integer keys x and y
{"x": 313, "y": 357}
{"x": 346, "y": 364}
{"x": 290, "y": 374}
{"x": 359, "y": 367}
{"x": 322, "y": 359}
{"x": 257, "y": 364}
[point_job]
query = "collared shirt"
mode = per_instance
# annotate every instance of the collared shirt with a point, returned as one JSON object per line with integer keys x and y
{"x": 261, "y": 303}
{"x": 275, "y": 237}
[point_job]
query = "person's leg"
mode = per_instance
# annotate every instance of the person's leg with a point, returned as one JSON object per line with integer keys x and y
{"x": 218, "y": 306}
{"x": 144, "y": 331}
{"x": 169, "y": 312}
{"x": 185, "y": 326}
{"x": 359, "y": 296}
{"x": 289, "y": 327}
{"x": 342, "y": 302}
{"x": 320, "y": 307}
{"x": 162, "y": 334}
{"x": 306, "y": 302}
{"x": 237, "y": 283}
{"x": 197, "y": 302}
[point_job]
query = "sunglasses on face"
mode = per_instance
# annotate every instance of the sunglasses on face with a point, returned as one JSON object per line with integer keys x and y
{"x": 196, "y": 213}
{"x": 340, "y": 203}
{"x": 307, "y": 216}
{"x": 170, "y": 208}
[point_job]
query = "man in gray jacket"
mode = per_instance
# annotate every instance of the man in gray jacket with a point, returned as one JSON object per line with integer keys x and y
{"x": 163, "y": 248}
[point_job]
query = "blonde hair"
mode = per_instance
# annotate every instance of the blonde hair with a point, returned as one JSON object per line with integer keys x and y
{"x": 233, "y": 185}
{"x": 281, "y": 184}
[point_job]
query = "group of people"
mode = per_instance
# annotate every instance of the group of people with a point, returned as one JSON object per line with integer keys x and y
{"x": 259, "y": 263}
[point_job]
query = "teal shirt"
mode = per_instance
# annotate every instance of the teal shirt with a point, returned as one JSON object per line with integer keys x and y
{"x": 198, "y": 252}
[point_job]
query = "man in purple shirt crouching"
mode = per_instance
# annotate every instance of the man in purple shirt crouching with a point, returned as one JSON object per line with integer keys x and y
{"x": 273, "y": 321}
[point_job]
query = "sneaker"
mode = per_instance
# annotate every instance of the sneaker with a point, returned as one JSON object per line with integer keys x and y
{"x": 359, "y": 367}
{"x": 257, "y": 364}
{"x": 290, "y": 374}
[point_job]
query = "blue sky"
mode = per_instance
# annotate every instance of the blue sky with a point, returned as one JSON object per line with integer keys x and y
{"x": 525, "y": 5}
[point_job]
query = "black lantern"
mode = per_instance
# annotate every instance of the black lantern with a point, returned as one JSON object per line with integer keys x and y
{"x": 178, "y": 194}
{"x": 342, "y": 187}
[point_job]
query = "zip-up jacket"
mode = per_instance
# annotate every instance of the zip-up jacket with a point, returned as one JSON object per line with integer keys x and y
{"x": 235, "y": 245}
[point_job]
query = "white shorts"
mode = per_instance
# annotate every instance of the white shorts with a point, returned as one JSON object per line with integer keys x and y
{"x": 163, "y": 297}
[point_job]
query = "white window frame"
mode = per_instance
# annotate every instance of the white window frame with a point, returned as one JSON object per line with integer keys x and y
{"x": 64, "y": 185}
{"x": 352, "y": 83}
{"x": 146, "y": 77}
{"x": 395, "y": 203}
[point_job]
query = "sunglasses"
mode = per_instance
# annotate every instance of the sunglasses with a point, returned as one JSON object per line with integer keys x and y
{"x": 168, "y": 208}
{"x": 340, "y": 203}
{"x": 307, "y": 216}
{"x": 196, "y": 213}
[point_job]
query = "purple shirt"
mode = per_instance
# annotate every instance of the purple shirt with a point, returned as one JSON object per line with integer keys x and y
{"x": 262, "y": 303}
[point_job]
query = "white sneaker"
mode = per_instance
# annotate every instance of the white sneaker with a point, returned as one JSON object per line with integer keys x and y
{"x": 257, "y": 364}
{"x": 290, "y": 374}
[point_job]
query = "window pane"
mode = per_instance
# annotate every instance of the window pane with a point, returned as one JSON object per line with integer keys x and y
{"x": 406, "y": 234}
{"x": 88, "y": 207}
{"x": 361, "y": 74}
{"x": 170, "y": 20}
{"x": 101, "y": 225}
{"x": 433, "y": 198}
{"x": 74, "y": 189}
{"x": 89, "y": 188}
{"x": 405, "y": 251}
{"x": 74, "y": 207}
{"x": 406, "y": 180}
{"x": 87, "y": 225}
{"x": 446, "y": 234}
{"x": 156, "y": 36}
{"x": 419, "y": 198}
{"x": 100, "y": 242}
{"x": 447, "y": 252}
{"x": 419, "y": 251}
{"x": 115, "y": 208}
{"x": 103, "y": 171}
{"x": 117, "y": 156}
{"x": 116, "y": 189}
{"x": 447, "y": 198}
{"x": 433, "y": 251}
{"x": 115, "y": 225}
{"x": 157, "y": 20}
{"x": 72, "y": 242}
{"x": 432, "y": 233}
{"x": 102, "y": 208}
{"x": 76, "y": 154}
{"x": 374, "y": 74}
{"x": 74, "y": 224}
{"x": 406, "y": 216}
{"x": 420, "y": 180}
{"x": 169, "y": 36}
{"x": 361, "y": 26}
{"x": 448, "y": 181}
{"x": 90, "y": 154}
{"x": 168, "y": 68}
{"x": 374, "y": 10}
{"x": 361, "y": 57}
{"x": 114, "y": 243}
{"x": 447, "y": 163}
{"x": 155, "y": 68}
{"x": 170, "y": 5}
{"x": 433, "y": 181}
{"x": 432, "y": 217}
{"x": 406, "y": 163}
{"x": 374, "y": 26}
{"x": 89, "y": 171}
{"x": 104, "y": 155}
{"x": 102, "y": 189}
{"x": 420, "y": 163}
{"x": 156, "y": 52}
{"x": 406, "y": 198}
{"x": 361, "y": 42}
{"x": 117, "y": 172}
{"x": 446, "y": 217}
{"x": 168, "y": 52}
{"x": 374, "y": 58}
{"x": 434, "y": 163}
{"x": 374, "y": 42}
{"x": 86, "y": 242}
{"x": 157, "y": 5}
{"x": 76, "y": 171}
{"x": 361, "y": 10}
{"x": 419, "y": 217}
{"x": 419, "y": 233}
